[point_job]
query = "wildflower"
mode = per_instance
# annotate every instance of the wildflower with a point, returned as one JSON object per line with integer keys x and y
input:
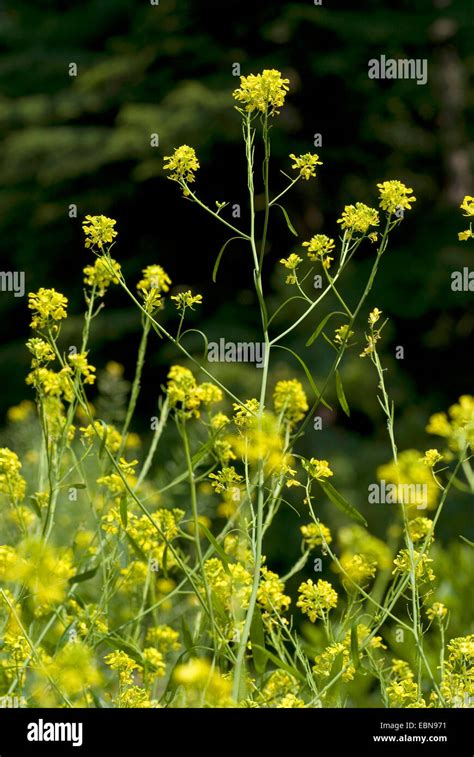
{"x": 73, "y": 669}
{"x": 468, "y": 206}
{"x": 318, "y": 469}
{"x": 21, "y": 412}
{"x": 418, "y": 528}
{"x": 165, "y": 638}
{"x": 319, "y": 248}
{"x": 260, "y": 440}
{"x": 117, "y": 483}
{"x": 290, "y": 401}
{"x": 316, "y": 599}
{"x": 219, "y": 420}
{"x": 374, "y": 316}
{"x": 106, "y": 433}
{"x": 306, "y": 164}
{"x": 183, "y": 391}
{"x": 263, "y": 92}
{"x": 357, "y": 540}
{"x": 124, "y": 664}
{"x": 183, "y": 164}
{"x": 203, "y": 683}
{"x": 44, "y": 570}
{"x": 11, "y": 482}
{"x": 421, "y": 561}
{"x": 185, "y": 300}
{"x": 155, "y": 666}
{"x": 225, "y": 479}
{"x": 243, "y": 414}
{"x": 291, "y": 701}
{"x": 457, "y": 685}
{"x": 154, "y": 277}
{"x": 412, "y": 482}
{"x": 395, "y": 196}
{"x": 48, "y": 306}
{"x": 42, "y": 351}
{"x": 370, "y": 348}
{"x": 101, "y": 274}
{"x": 278, "y": 688}
{"x": 359, "y": 218}
{"x": 437, "y": 611}
{"x": 458, "y": 428}
{"x": 325, "y": 660}
{"x": 316, "y": 534}
{"x": 270, "y": 595}
{"x": 209, "y": 393}
{"x": 357, "y": 569}
{"x": 342, "y": 334}
{"x": 291, "y": 263}
{"x": 79, "y": 362}
{"x": 99, "y": 230}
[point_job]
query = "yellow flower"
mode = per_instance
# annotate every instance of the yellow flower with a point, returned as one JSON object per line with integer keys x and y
{"x": 431, "y": 457}
{"x": 290, "y": 401}
{"x": 99, "y": 230}
{"x": 21, "y": 412}
{"x": 183, "y": 391}
{"x": 245, "y": 414}
{"x": 468, "y": 206}
{"x": 421, "y": 562}
{"x": 48, "y": 306}
{"x": 356, "y": 569}
{"x": 306, "y": 164}
{"x": 357, "y": 540}
{"x": 374, "y": 316}
{"x": 263, "y": 92}
{"x": 226, "y": 479}
{"x": 124, "y": 664}
{"x": 42, "y": 352}
{"x": 342, "y": 334}
{"x": 183, "y": 164}
{"x": 82, "y": 367}
{"x": 185, "y": 300}
{"x": 394, "y": 196}
{"x": 154, "y": 277}
{"x": 437, "y": 611}
{"x": 73, "y": 669}
{"x": 358, "y": 218}
{"x": 316, "y": 534}
{"x": 318, "y": 469}
{"x": 413, "y": 483}
{"x": 459, "y": 428}
{"x": 101, "y": 274}
{"x": 203, "y": 684}
{"x": 11, "y": 482}
{"x": 418, "y": 528}
{"x": 316, "y": 599}
{"x": 319, "y": 248}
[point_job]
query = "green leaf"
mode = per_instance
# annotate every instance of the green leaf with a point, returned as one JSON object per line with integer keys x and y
{"x": 136, "y": 548}
{"x": 123, "y": 510}
{"x": 340, "y": 394}
{"x": 218, "y": 259}
{"x": 287, "y": 219}
{"x": 257, "y": 638}
{"x": 320, "y": 327}
{"x": 355, "y": 646}
{"x": 471, "y": 543}
{"x": 315, "y": 389}
{"x": 188, "y": 640}
{"x": 217, "y": 547}
{"x": 80, "y": 577}
{"x": 280, "y": 664}
{"x": 341, "y": 503}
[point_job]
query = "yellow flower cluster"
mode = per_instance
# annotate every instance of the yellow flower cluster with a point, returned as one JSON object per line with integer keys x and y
{"x": 291, "y": 263}
{"x": 458, "y": 428}
{"x": 457, "y": 685}
{"x": 467, "y": 206}
{"x": 79, "y": 362}
{"x": 316, "y": 599}
{"x": 185, "y": 394}
{"x": 421, "y": 564}
{"x": 185, "y": 300}
{"x": 306, "y": 164}
{"x": 263, "y": 92}
{"x": 290, "y": 401}
{"x": 414, "y": 484}
{"x": 357, "y": 540}
{"x": 99, "y": 231}
{"x": 357, "y": 570}
{"x": 318, "y": 469}
{"x": 394, "y": 195}
{"x": 316, "y": 534}
{"x": 183, "y": 164}
{"x": 203, "y": 684}
{"x": 48, "y": 306}
{"x": 101, "y": 274}
{"x": 319, "y": 248}
{"x": 325, "y": 661}
{"x": 12, "y": 482}
{"x": 403, "y": 691}
{"x": 358, "y": 218}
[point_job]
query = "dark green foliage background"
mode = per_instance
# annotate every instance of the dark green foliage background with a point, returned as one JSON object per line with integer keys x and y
{"x": 167, "y": 69}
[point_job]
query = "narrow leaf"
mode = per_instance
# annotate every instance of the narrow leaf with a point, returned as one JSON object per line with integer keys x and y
{"x": 338, "y": 500}
{"x": 320, "y": 327}
{"x": 217, "y": 547}
{"x": 471, "y": 543}
{"x": 315, "y": 389}
{"x": 282, "y": 665}
{"x": 218, "y": 259}
{"x": 340, "y": 394}
{"x": 123, "y": 510}
{"x": 80, "y": 577}
{"x": 257, "y": 638}
{"x": 355, "y": 646}
{"x": 287, "y": 219}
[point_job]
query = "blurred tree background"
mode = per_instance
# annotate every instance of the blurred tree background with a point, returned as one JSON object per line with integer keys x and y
{"x": 166, "y": 69}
